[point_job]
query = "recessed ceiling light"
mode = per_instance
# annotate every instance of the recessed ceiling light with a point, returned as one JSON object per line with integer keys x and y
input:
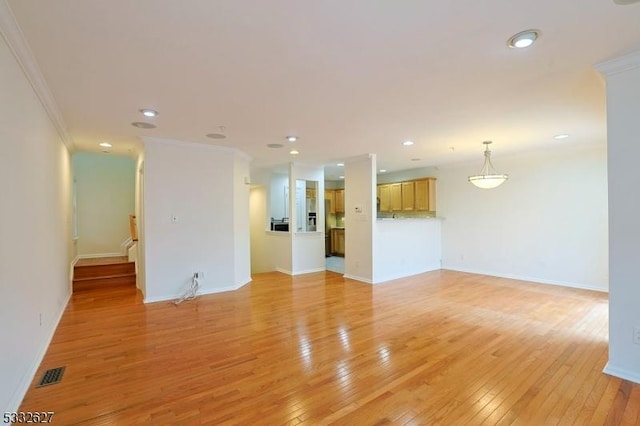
{"x": 275, "y": 145}
{"x": 292, "y": 138}
{"x": 562, "y": 136}
{"x": 294, "y": 152}
{"x": 523, "y": 39}
{"x": 105, "y": 144}
{"x": 143, "y": 125}
{"x": 216, "y": 136}
{"x": 407, "y": 143}
{"x": 340, "y": 164}
{"x": 149, "y": 112}
{"x": 341, "y": 177}
{"x": 383, "y": 170}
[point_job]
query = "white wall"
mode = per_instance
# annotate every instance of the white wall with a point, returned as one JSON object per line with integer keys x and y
{"x": 195, "y": 183}
{"x": 105, "y": 188}
{"x": 35, "y": 230}
{"x": 623, "y": 128}
{"x": 360, "y": 192}
{"x": 260, "y": 250}
{"x": 241, "y": 219}
{"x": 140, "y": 245}
{"x": 277, "y": 200}
{"x": 405, "y": 247}
{"x": 547, "y": 223}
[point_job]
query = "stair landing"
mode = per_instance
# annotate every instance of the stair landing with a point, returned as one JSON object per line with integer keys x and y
{"x": 103, "y": 272}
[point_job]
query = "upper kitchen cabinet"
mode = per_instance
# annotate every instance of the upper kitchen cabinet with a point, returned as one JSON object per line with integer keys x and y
{"x": 330, "y": 195}
{"x": 396, "y": 197}
{"x": 417, "y": 195}
{"x": 408, "y": 196}
{"x": 425, "y": 195}
{"x": 384, "y": 197}
{"x": 339, "y": 194}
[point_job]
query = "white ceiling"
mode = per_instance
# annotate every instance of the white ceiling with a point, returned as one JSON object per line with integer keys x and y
{"x": 348, "y": 76}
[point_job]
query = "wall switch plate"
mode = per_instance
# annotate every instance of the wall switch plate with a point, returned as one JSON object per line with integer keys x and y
{"x": 636, "y": 335}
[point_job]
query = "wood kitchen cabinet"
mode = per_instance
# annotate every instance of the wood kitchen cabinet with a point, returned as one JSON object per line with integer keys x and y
{"x": 425, "y": 195}
{"x": 337, "y": 241}
{"x": 330, "y": 194}
{"x": 311, "y": 193}
{"x": 416, "y": 195}
{"x": 336, "y": 200}
{"x": 407, "y": 196}
{"x": 339, "y": 194}
{"x": 396, "y": 196}
{"x": 384, "y": 194}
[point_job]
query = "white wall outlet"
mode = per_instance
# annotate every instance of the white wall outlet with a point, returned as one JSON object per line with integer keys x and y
{"x": 636, "y": 335}
{"x": 200, "y": 275}
{"x": 358, "y": 209}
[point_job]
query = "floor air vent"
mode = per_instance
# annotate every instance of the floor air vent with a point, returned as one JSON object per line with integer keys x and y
{"x": 51, "y": 377}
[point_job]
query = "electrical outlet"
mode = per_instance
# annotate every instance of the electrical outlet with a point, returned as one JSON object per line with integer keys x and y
{"x": 636, "y": 335}
{"x": 201, "y": 275}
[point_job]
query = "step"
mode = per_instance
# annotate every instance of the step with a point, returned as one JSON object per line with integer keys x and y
{"x": 118, "y": 280}
{"x": 103, "y": 270}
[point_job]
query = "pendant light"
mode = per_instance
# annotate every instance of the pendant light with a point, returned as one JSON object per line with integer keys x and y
{"x": 488, "y": 178}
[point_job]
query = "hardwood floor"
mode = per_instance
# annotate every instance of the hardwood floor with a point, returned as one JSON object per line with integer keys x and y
{"x": 438, "y": 348}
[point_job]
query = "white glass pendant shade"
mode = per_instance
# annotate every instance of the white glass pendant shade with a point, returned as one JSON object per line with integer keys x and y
{"x": 488, "y": 178}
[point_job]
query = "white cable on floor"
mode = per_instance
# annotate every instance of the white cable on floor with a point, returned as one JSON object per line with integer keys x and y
{"x": 192, "y": 292}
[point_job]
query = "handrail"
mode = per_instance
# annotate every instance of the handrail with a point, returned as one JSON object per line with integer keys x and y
{"x": 133, "y": 227}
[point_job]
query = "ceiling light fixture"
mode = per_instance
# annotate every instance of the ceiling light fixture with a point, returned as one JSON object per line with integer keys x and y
{"x": 275, "y": 145}
{"x": 488, "y": 178}
{"x": 294, "y": 152}
{"x": 149, "y": 112}
{"x": 562, "y": 136}
{"x": 383, "y": 170}
{"x": 220, "y": 135}
{"x": 407, "y": 143}
{"x": 105, "y": 144}
{"x": 340, "y": 164}
{"x": 341, "y": 177}
{"x": 292, "y": 139}
{"x": 523, "y": 39}
{"x": 143, "y": 125}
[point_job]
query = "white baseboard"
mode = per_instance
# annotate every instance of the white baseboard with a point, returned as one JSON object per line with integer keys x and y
{"x": 612, "y": 370}
{"x": 284, "y": 271}
{"x": 525, "y": 278}
{"x": 309, "y": 271}
{"x": 201, "y": 292}
{"x": 23, "y": 387}
{"x": 391, "y": 277}
{"x": 357, "y": 278}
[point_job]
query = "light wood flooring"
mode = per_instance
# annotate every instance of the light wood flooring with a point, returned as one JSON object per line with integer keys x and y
{"x": 438, "y": 348}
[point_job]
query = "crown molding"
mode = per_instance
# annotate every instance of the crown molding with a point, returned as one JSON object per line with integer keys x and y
{"x": 619, "y": 65}
{"x": 13, "y": 36}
